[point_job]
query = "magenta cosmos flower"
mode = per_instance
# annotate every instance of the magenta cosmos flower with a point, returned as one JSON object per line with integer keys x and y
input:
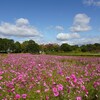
{"x": 78, "y": 98}
{"x": 56, "y": 94}
{"x": 60, "y": 87}
{"x": 54, "y": 89}
{"x": 1, "y": 77}
{"x": 17, "y": 96}
{"x": 24, "y": 96}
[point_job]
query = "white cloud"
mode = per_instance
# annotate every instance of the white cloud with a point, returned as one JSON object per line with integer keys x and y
{"x": 82, "y": 41}
{"x": 21, "y": 28}
{"x": 22, "y": 21}
{"x": 63, "y": 36}
{"x": 89, "y": 40}
{"x": 81, "y": 23}
{"x": 75, "y": 35}
{"x": 59, "y": 28}
{"x": 92, "y": 2}
{"x": 66, "y": 36}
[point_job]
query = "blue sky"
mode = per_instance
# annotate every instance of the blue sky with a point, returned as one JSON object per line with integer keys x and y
{"x": 51, "y": 21}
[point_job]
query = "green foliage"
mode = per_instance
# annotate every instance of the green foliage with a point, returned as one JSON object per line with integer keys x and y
{"x": 23, "y": 46}
{"x": 32, "y": 47}
{"x": 88, "y": 48}
{"x": 8, "y": 45}
{"x": 18, "y": 47}
{"x": 51, "y": 48}
{"x": 65, "y": 47}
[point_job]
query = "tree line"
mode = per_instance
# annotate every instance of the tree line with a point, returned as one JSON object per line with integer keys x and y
{"x": 30, "y": 46}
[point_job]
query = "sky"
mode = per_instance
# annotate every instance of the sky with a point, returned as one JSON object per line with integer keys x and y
{"x": 51, "y": 21}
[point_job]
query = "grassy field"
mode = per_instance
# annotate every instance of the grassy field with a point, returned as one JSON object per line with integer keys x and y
{"x": 74, "y": 54}
{"x": 47, "y": 77}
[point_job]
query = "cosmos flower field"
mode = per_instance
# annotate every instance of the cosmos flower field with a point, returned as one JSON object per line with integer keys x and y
{"x": 46, "y": 77}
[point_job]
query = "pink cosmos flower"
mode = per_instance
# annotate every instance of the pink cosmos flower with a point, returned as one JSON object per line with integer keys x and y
{"x": 4, "y": 99}
{"x": 56, "y": 94}
{"x": 24, "y": 96}
{"x": 0, "y": 88}
{"x": 83, "y": 87}
{"x": 67, "y": 78}
{"x": 96, "y": 84}
{"x": 60, "y": 87}
{"x": 31, "y": 86}
{"x": 10, "y": 85}
{"x": 75, "y": 80}
{"x": 46, "y": 90}
{"x": 50, "y": 74}
{"x": 32, "y": 78}
{"x": 47, "y": 97}
{"x": 45, "y": 84}
{"x": 54, "y": 89}
{"x": 17, "y": 96}
{"x": 86, "y": 91}
{"x": 21, "y": 77}
{"x": 1, "y": 77}
{"x": 1, "y": 72}
{"x": 72, "y": 84}
{"x": 78, "y": 98}
{"x": 38, "y": 91}
{"x": 73, "y": 76}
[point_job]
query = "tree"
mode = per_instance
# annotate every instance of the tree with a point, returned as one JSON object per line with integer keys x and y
{"x": 24, "y": 46}
{"x": 6, "y": 45}
{"x": 83, "y": 48}
{"x": 1, "y": 45}
{"x": 65, "y": 47}
{"x": 33, "y": 47}
{"x": 56, "y": 47}
{"x": 88, "y": 48}
{"x": 75, "y": 48}
{"x": 51, "y": 48}
{"x": 11, "y": 45}
{"x": 97, "y": 47}
{"x": 18, "y": 48}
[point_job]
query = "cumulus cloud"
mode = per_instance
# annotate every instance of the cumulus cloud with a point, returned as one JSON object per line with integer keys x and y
{"x": 22, "y": 21}
{"x": 66, "y": 36}
{"x": 75, "y": 35}
{"x": 21, "y": 28}
{"x": 81, "y": 23}
{"x": 92, "y": 2}
{"x": 59, "y": 28}
{"x": 87, "y": 41}
{"x": 63, "y": 36}
{"x": 82, "y": 41}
